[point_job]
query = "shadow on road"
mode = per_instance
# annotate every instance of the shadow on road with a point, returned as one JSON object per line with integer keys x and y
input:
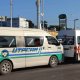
{"x": 30, "y": 68}
{"x": 44, "y": 67}
{"x": 70, "y": 62}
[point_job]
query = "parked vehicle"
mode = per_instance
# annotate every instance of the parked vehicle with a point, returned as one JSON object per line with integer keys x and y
{"x": 21, "y": 48}
{"x": 71, "y": 44}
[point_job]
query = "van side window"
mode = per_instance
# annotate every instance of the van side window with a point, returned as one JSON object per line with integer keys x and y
{"x": 7, "y": 41}
{"x": 78, "y": 39}
{"x": 33, "y": 41}
{"x": 52, "y": 40}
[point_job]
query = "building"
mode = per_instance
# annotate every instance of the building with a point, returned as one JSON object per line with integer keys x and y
{"x": 18, "y": 22}
{"x": 31, "y": 24}
{"x": 3, "y": 20}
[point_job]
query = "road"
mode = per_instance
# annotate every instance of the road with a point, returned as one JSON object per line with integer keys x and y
{"x": 61, "y": 72}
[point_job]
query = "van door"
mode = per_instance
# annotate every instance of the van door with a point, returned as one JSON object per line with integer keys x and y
{"x": 68, "y": 44}
{"x": 53, "y": 44}
{"x": 9, "y": 50}
{"x": 18, "y": 52}
{"x": 78, "y": 48}
{"x": 33, "y": 46}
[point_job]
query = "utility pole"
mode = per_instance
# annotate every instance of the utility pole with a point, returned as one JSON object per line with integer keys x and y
{"x": 11, "y": 12}
{"x": 38, "y": 13}
{"x": 42, "y": 13}
{"x": 1, "y": 18}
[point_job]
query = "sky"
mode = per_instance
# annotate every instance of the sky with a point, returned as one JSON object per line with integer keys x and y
{"x": 52, "y": 9}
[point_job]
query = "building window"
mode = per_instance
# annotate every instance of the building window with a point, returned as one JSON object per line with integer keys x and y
{"x": 34, "y": 41}
{"x": 7, "y": 41}
{"x": 4, "y": 24}
{"x": 15, "y": 25}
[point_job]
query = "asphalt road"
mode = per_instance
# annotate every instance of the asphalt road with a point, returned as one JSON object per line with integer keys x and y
{"x": 61, "y": 72}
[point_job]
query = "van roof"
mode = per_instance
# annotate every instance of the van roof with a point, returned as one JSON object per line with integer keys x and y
{"x": 14, "y": 28}
{"x": 20, "y": 31}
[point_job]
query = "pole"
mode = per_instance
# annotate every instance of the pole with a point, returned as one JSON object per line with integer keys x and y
{"x": 11, "y": 12}
{"x": 1, "y": 20}
{"x": 38, "y": 13}
{"x": 75, "y": 23}
{"x": 66, "y": 24}
{"x": 43, "y": 14}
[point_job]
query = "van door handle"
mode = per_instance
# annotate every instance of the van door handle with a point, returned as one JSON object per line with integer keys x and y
{"x": 43, "y": 47}
{"x": 49, "y": 47}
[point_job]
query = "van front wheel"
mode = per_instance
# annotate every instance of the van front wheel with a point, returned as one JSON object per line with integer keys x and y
{"x": 53, "y": 62}
{"x": 5, "y": 67}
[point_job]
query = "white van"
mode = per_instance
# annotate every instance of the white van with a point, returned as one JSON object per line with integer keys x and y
{"x": 21, "y": 48}
{"x": 71, "y": 44}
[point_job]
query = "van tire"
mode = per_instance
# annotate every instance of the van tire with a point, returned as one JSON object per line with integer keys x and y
{"x": 53, "y": 61}
{"x": 5, "y": 67}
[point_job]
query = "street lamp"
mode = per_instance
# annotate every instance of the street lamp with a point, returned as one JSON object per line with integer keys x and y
{"x": 75, "y": 23}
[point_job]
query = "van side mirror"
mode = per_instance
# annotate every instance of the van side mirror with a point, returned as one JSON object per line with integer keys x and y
{"x": 58, "y": 44}
{"x": 60, "y": 41}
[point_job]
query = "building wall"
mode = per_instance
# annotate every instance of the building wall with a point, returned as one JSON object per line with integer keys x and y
{"x": 3, "y": 18}
{"x": 3, "y": 21}
{"x": 23, "y": 23}
{"x": 16, "y": 22}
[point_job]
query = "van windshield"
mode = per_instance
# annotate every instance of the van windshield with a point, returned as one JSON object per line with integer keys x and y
{"x": 67, "y": 40}
{"x": 52, "y": 40}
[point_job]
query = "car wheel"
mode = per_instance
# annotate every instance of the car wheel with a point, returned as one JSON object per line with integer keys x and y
{"x": 53, "y": 62}
{"x": 5, "y": 67}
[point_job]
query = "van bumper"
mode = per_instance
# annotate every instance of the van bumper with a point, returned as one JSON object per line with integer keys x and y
{"x": 62, "y": 60}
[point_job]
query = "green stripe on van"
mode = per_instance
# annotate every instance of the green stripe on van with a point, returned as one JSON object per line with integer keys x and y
{"x": 59, "y": 56}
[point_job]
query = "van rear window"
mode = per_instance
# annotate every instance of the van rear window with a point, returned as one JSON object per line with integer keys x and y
{"x": 67, "y": 40}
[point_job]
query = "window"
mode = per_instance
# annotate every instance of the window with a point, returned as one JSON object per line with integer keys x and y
{"x": 7, "y": 41}
{"x": 78, "y": 39}
{"x": 67, "y": 40}
{"x": 4, "y": 24}
{"x": 33, "y": 41}
{"x": 52, "y": 40}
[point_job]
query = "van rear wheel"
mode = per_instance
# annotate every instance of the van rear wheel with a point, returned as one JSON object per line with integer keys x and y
{"x": 53, "y": 62}
{"x": 5, "y": 67}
